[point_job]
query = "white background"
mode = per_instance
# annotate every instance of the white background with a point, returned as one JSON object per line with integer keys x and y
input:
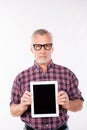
{"x": 67, "y": 20}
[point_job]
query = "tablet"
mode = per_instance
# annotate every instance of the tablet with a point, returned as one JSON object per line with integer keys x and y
{"x": 44, "y": 99}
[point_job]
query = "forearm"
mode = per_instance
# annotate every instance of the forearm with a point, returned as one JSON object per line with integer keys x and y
{"x": 17, "y": 109}
{"x": 75, "y": 105}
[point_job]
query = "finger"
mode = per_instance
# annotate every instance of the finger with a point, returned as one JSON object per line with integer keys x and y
{"x": 26, "y": 101}
{"x": 27, "y": 93}
{"x": 61, "y": 93}
{"x": 26, "y": 98}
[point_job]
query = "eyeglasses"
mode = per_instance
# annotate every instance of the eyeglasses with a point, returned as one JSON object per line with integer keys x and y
{"x": 38, "y": 47}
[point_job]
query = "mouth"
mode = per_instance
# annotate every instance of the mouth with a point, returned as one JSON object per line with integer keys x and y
{"x": 42, "y": 56}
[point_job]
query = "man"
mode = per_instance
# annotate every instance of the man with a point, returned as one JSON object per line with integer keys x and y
{"x": 69, "y": 96}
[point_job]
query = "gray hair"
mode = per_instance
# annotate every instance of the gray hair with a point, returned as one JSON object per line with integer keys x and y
{"x": 42, "y": 32}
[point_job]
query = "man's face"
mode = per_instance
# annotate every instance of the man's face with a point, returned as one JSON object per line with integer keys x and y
{"x": 42, "y": 56}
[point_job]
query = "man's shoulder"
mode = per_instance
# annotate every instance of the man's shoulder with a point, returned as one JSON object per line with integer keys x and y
{"x": 63, "y": 68}
{"x": 24, "y": 72}
{"x": 59, "y": 66}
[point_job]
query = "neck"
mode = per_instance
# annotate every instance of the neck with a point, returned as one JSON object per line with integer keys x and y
{"x": 43, "y": 66}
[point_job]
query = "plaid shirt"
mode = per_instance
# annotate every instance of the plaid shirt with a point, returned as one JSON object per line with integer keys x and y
{"x": 67, "y": 82}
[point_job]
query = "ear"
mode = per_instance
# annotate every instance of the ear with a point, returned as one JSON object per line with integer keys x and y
{"x": 31, "y": 49}
{"x": 52, "y": 49}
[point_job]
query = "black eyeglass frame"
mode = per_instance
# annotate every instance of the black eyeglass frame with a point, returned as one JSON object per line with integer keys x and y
{"x": 47, "y": 46}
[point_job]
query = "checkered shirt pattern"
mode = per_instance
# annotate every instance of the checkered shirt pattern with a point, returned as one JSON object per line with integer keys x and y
{"x": 67, "y": 81}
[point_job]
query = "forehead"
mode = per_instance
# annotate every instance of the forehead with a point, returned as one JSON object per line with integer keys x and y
{"x": 45, "y": 38}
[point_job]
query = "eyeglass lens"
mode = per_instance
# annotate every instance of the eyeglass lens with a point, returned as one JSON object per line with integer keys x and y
{"x": 39, "y": 46}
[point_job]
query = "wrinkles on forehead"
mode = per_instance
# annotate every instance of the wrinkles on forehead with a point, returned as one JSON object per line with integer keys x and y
{"x": 41, "y": 39}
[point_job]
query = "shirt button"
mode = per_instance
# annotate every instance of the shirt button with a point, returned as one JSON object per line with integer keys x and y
{"x": 47, "y": 125}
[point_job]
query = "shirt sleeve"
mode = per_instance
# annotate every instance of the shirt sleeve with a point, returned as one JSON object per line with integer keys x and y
{"x": 15, "y": 92}
{"x": 74, "y": 92}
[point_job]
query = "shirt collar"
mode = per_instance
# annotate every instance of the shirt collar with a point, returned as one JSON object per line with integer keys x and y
{"x": 49, "y": 66}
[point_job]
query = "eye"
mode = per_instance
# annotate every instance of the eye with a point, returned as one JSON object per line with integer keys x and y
{"x": 48, "y": 46}
{"x": 37, "y": 45}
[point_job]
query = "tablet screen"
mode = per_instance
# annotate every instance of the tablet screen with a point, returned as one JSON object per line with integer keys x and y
{"x": 44, "y": 94}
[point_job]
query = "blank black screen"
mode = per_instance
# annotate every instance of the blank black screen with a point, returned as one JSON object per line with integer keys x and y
{"x": 44, "y": 99}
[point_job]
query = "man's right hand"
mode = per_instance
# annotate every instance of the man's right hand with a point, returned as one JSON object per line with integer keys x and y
{"x": 19, "y": 109}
